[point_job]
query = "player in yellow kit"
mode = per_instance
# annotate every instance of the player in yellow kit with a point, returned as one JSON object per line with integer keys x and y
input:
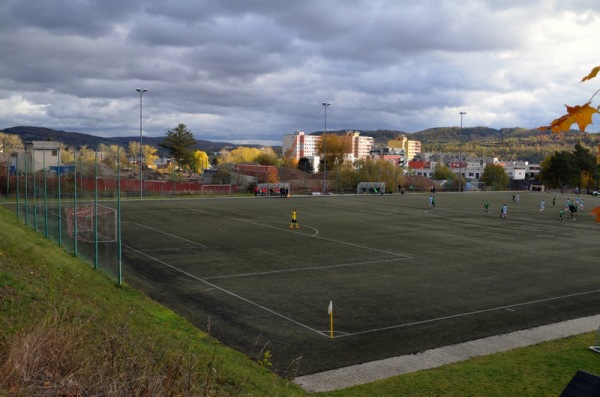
{"x": 294, "y": 220}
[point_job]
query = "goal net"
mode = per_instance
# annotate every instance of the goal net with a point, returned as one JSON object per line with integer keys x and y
{"x": 92, "y": 225}
{"x": 216, "y": 190}
{"x": 475, "y": 186}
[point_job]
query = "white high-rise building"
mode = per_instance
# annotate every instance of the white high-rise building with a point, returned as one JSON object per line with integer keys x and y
{"x": 300, "y": 145}
{"x": 360, "y": 146}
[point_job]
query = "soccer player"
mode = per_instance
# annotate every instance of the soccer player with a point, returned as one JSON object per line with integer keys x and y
{"x": 542, "y": 206}
{"x": 431, "y": 201}
{"x": 486, "y": 207}
{"x": 554, "y": 201}
{"x": 503, "y": 211}
{"x": 572, "y": 209}
{"x": 294, "y": 220}
{"x": 561, "y": 214}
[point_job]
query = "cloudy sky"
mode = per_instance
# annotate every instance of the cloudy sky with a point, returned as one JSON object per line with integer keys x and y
{"x": 250, "y": 71}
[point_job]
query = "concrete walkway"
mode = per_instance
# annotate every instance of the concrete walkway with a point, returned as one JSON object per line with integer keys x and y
{"x": 368, "y": 372}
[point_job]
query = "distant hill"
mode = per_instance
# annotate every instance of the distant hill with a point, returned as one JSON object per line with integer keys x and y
{"x": 381, "y": 136}
{"x": 28, "y": 133}
{"x": 452, "y": 134}
{"x": 46, "y": 134}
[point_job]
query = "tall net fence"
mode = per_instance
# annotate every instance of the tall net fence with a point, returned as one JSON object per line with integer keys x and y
{"x": 77, "y": 205}
{"x": 63, "y": 203}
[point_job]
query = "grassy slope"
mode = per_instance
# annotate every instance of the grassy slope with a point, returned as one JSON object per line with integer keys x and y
{"x": 82, "y": 331}
{"x": 44, "y": 288}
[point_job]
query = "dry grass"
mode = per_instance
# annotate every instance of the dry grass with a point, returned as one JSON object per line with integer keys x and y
{"x": 67, "y": 355}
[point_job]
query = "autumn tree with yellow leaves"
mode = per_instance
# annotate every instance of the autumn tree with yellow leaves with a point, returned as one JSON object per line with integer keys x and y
{"x": 150, "y": 153}
{"x": 333, "y": 147}
{"x": 113, "y": 155}
{"x": 10, "y": 143}
{"x": 244, "y": 154}
{"x": 199, "y": 161}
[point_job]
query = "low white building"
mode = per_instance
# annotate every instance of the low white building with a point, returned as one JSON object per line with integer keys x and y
{"x": 472, "y": 168}
{"x": 38, "y": 155}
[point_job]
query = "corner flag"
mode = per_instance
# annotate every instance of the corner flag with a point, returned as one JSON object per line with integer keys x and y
{"x": 330, "y": 312}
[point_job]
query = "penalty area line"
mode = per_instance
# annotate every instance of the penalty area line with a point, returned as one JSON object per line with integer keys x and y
{"x": 169, "y": 234}
{"x": 307, "y": 268}
{"x": 226, "y": 291}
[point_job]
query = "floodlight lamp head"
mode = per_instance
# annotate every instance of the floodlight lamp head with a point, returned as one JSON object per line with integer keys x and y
{"x": 326, "y": 103}
{"x": 140, "y": 90}
{"x": 463, "y": 113}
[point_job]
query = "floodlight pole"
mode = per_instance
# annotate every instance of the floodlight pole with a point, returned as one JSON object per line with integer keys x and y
{"x": 460, "y": 153}
{"x": 141, "y": 91}
{"x": 325, "y": 105}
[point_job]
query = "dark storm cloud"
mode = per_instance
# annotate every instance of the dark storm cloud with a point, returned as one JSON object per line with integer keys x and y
{"x": 243, "y": 70}
{"x": 92, "y": 18}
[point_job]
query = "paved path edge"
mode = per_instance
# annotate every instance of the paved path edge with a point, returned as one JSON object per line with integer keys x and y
{"x": 342, "y": 378}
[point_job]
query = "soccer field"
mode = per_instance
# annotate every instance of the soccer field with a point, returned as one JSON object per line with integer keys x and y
{"x": 402, "y": 277}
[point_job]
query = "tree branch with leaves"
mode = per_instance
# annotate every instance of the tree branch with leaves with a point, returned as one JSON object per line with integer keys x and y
{"x": 579, "y": 114}
{"x": 582, "y": 116}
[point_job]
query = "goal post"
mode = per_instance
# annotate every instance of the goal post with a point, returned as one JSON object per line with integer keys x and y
{"x": 91, "y": 223}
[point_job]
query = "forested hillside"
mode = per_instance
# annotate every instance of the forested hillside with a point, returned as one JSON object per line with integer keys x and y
{"x": 510, "y": 144}
{"x": 506, "y": 144}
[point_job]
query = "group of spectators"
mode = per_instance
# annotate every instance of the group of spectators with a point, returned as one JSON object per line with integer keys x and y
{"x": 283, "y": 192}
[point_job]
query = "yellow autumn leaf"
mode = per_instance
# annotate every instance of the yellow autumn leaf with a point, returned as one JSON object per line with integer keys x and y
{"x": 582, "y": 115}
{"x": 592, "y": 74}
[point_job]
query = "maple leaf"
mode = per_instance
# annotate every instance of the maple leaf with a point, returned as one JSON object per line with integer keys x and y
{"x": 592, "y": 74}
{"x": 596, "y": 212}
{"x": 582, "y": 115}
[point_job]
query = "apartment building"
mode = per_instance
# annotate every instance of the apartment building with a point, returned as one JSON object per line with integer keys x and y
{"x": 412, "y": 148}
{"x": 300, "y": 145}
{"x": 359, "y": 146}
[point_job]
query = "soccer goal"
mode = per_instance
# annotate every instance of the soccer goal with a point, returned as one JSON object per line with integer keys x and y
{"x": 475, "y": 186}
{"x": 215, "y": 190}
{"x": 89, "y": 223}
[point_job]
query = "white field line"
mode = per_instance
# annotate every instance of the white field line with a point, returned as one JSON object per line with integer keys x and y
{"x": 300, "y": 269}
{"x": 169, "y": 234}
{"x": 307, "y": 235}
{"x": 226, "y": 291}
{"x": 397, "y": 257}
{"x": 507, "y": 307}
